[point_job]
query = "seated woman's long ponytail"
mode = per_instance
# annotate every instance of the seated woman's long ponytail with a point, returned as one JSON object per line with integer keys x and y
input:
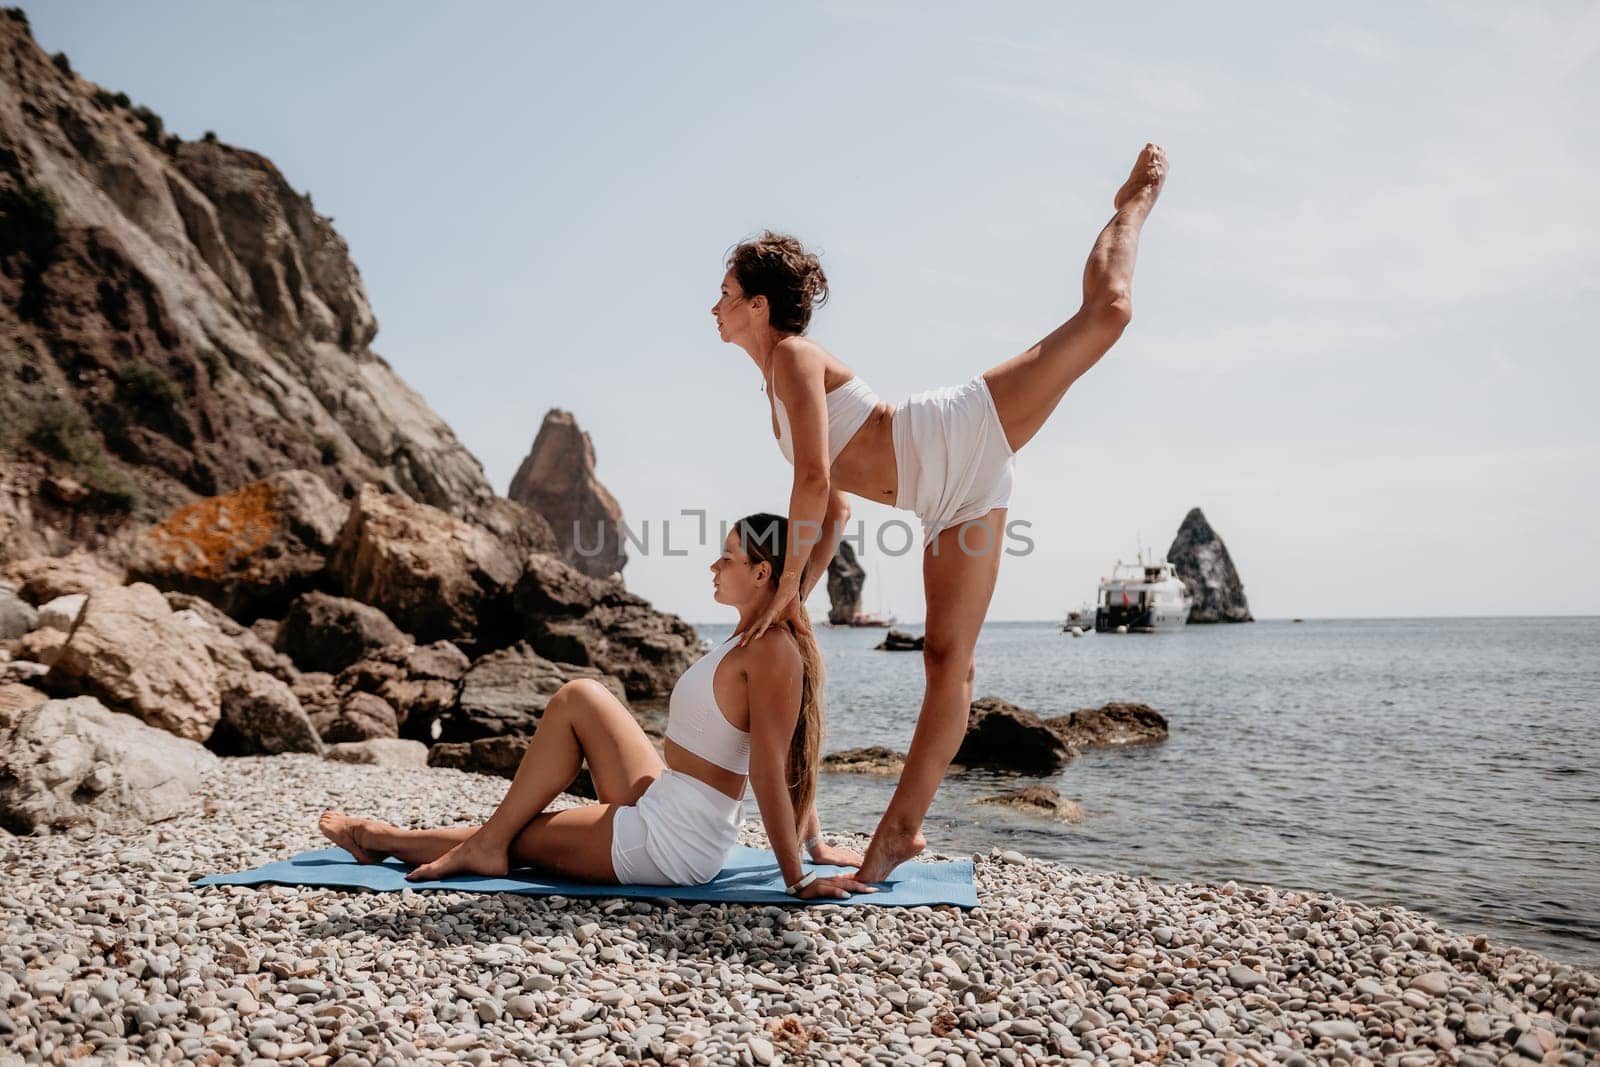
{"x": 765, "y": 537}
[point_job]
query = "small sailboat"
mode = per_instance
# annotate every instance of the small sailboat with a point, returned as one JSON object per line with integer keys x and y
{"x": 1079, "y": 620}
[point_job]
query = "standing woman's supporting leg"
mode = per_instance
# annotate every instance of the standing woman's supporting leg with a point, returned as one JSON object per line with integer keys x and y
{"x": 958, "y": 585}
{"x": 1027, "y": 388}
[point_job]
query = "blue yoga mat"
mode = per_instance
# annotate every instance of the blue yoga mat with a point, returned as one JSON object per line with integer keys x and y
{"x": 751, "y": 876}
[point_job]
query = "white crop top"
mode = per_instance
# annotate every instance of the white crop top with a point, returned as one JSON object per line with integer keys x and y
{"x": 695, "y": 721}
{"x": 849, "y": 405}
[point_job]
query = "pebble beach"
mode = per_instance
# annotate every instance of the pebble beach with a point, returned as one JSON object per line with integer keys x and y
{"x": 110, "y": 956}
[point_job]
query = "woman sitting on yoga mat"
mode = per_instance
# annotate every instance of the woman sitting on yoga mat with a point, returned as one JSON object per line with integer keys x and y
{"x": 740, "y": 710}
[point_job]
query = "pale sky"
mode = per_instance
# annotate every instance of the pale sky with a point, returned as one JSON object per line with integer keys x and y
{"x": 1363, "y": 314}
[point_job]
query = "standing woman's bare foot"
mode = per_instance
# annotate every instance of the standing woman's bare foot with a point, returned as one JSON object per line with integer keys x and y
{"x": 345, "y": 832}
{"x": 889, "y": 848}
{"x": 1144, "y": 184}
{"x": 472, "y": 856}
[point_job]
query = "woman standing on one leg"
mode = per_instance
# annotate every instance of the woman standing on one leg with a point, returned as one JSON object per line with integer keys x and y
{"x": 946, "y": 455}
{"x": 740, "y": 710}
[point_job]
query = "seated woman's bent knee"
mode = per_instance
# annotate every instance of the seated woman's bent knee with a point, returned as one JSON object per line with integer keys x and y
{"x": 581, "y": 689}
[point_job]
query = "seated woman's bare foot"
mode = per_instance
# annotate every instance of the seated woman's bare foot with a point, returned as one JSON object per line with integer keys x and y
{"x": 345, "y": 832}
{"x": 1144, "y": 183}
{"x": 472, "y": 856}
{"x": 889, "y": 849}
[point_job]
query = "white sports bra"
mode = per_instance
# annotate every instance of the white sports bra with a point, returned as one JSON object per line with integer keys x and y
{"x": 695, "y": 721}
{"x": 849, "y": 406}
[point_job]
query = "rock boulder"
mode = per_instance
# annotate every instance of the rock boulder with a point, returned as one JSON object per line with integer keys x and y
{"x": 381, "y": 752}
{"x": 434, "y": 575}
{"x": 499, "y": 756}
{"x": 1000, "y": 734}
{"x": 132, "y": 653}
{"x": 420, "y": 682}
{"x": 506, "y": 691}
{"x": 16, "y": 697}
{"x": 572, "y": 618}
{"x": 249, "y": 551}
{"x": 261, "y": 716}
{"x": 40, "y": 646}
{"x": 234, "y": 649}
{"x": 70, "y": 762}
{"x": 329, "y": 633}
{"x": 17, "y": 616}
{"x": 43, "y": 578}
{"x": 61, "y": 613}
{"x": 358, "y": 717}
{"x": 1110, "y": 725}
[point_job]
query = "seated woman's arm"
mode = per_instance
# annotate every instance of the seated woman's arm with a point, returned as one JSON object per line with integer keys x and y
{"x": 774, "y": 679}
{"x": 819, "y": 850}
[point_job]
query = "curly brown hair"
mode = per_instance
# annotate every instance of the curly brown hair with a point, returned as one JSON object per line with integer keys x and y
{"x": 779, "y": 268}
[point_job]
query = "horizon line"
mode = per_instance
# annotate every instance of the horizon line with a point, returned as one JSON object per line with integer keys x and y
{"x": 1054, "y": 621}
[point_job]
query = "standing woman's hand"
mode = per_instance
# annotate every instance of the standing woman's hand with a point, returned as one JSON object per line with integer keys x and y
{"x": 785, "y": 607}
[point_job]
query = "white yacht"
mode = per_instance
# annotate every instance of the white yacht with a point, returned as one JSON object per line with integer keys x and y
{"x": 1143, "y": 597}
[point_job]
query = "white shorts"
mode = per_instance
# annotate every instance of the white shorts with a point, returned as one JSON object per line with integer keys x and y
{"x": 952, "y": 455}
{"x": 679, "y": 833}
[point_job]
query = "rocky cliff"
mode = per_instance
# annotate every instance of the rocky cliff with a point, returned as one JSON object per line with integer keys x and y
{"x": 221, "y": 512}
{"x": 557, "y": 481}
{"x": 177, "y": 321}
{"x": 846, "y": 579}
{"x": 1202, "y": 561}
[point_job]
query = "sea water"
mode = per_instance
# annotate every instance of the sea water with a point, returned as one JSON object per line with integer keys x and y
{"x": 1447, "y": 765}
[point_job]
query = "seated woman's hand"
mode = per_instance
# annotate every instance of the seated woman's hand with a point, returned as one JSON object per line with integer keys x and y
{"x": 836, "y": 888}
{"x": 834, "y": 856}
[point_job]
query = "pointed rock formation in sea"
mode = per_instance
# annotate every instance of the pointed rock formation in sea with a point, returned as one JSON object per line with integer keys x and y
{"x": 557, "y": 481}
{"x": 846, "y": 579}
{"x": 1202, "y": 561}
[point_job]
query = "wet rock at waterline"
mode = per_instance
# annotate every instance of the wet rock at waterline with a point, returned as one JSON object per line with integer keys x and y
{"x": 899, "y": 641}
{"x": 1000, "y": 734}
{"x": 874, "y": 760}
{"x": 1039, "y": 800}
{"x": 1110, "y": 725}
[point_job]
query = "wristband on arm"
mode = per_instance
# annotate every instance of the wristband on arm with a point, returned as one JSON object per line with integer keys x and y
{"x": 807, "y": 879}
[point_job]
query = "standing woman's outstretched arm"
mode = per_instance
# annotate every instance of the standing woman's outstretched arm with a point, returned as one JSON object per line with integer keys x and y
{"x": 797, "y": 375}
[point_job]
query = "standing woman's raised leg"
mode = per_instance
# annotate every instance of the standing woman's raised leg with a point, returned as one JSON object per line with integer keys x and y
{"x": 958, "y": 584}
{"x": 1027, "y": 388}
